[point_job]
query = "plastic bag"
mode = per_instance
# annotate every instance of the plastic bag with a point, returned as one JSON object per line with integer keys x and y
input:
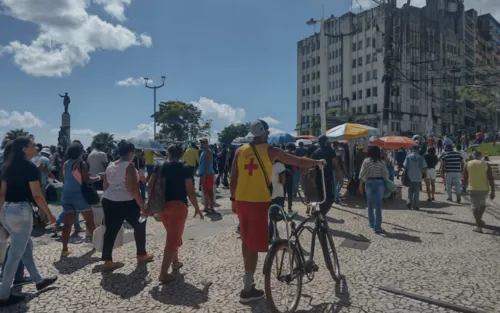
{"x": 98, "y": 238}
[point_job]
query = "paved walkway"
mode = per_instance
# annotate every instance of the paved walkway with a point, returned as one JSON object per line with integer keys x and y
{"x": 432, "y": 252}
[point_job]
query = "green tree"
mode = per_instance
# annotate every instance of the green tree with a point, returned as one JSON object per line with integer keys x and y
{"x": 14, "y": 134}
{"x": 233, "y": 131}
{"x": 181, "y": 121}
{"x": 107, "y": 139}
{"x": 482, "y": 97}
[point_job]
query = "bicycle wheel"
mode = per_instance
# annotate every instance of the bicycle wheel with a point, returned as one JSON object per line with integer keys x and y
{"x": 278, "y": 259}
{"x": 330, "y": 254}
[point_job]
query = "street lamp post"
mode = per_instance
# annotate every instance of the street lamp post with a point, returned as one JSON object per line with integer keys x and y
{"x": 209, "y": 121}
{"x": 154, "y": 103}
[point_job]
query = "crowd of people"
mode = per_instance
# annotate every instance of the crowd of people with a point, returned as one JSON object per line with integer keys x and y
{"x": 257, "y": 174}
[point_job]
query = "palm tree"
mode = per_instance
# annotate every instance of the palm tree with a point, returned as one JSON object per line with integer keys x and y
{"x": 106, "y": 138}
{"x": 14, "y": 134}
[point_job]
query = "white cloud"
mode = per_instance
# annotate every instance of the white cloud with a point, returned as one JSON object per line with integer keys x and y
{"x": 115, "y": 8}
{"x": 270, "y": 121}
{"x": 133, "y": 81}
{"x": 68, "y": 34}
{"x": 19, "y": 120}
{"x": 222, "y": 115}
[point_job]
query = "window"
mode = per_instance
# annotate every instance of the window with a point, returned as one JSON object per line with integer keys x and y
{"x": 303, "y": 79}
{"x": 329, "y": 56}
{"x": 307, "y": 119}
{"x": 374, "y": 58}
{"x": 303, "y": 119}
{"x": 336, "y": 53}
{"x": 368, "y": 75}
{"x": 307, "y": 91}
{"x": 360, "y": 78}
{"x": 360, "y": 44}
{"x": 317, "y": 60}
{"x": 354, "y": 95}
{"x": 374, "y": 75}
{"x": 313, "y": 75}
{"x": 317, "y": 102}
{"x": 303, "y": 107}
{"x": 307, "y": 63}
{"x": 374, "y": 108}
{"x": 313, "y": 90}
{"x": 373, "y": 42}
{"x": 360, "y": 94}
{"x": 353, "y": 46}
{"x": 354, "y": 79}
{"x": 368, "y": 24}
{"x": 329, "y": 71}
{"x": 359, "y": 110}
{"x": 307, "y": 105}
{"x": 360, "y": 61}
{"x": 369, "y": 108}
{"x": 375, "y": 92}
{"x": 368, "y": 59}
{"x": 368, "y": 42}
{"x": 313, "y": 47}
{"x": 303, "y": 65}
{"x": 317, "y": 89}
{"x": 368, "y": 92}
{"x": 313, "y": 61}
{"x": 307, "y": 77}
{"x": 317, "y": 75}
{"x": 353, "y": 63}
{"x": 354, "y": 111}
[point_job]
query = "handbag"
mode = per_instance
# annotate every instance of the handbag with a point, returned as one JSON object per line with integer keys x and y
{"x": 268, "y": 182}
{"x": 89, "y": 191}
{"x": 156, "y": 200}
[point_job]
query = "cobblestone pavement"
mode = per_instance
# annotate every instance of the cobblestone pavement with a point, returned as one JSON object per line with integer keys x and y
{"x": 433, "y": 252}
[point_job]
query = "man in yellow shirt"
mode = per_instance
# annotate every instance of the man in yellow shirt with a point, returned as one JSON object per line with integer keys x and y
{"x": 479, "y": 178}
{"x": 192, "y": 157}
{"x": 250, "y": 193}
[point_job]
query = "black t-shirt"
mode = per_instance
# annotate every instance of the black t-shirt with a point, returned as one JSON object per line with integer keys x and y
{"x": 431, "y": 160}
{"x": 326, "y": 153}
{"x": 18, "y": 177}
{"x": 175, "y": 175}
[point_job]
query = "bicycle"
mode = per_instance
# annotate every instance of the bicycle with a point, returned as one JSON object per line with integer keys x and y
{"x": 299, "y": 265}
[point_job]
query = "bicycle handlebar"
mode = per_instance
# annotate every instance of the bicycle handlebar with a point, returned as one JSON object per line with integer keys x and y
{"x": 323, "y": 181}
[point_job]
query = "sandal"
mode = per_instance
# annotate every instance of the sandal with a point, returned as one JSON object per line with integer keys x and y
{"x": 110, "y": 267}
{"x": 65, "y": 252}
{"x": 178, "y": 267}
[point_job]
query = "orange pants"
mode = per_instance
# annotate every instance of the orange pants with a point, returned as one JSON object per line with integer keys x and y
{"x": 254, "y": 227}
{"x": 174, "y": 218}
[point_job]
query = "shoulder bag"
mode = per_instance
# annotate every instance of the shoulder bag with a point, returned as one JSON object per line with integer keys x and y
{"x": 89, "y": 191}
{"x": 156, "y": 200}
{"x": 268, "y": 182}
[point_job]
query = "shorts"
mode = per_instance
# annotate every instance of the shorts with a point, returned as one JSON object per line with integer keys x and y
{"x": 208, "y": 182}
{"x": 431, "y": 173}
{"x": 174, "y": 219}
{"x": 75, "y": 204}
{"x": 478, "y": 198}
{"x": 254, "y": 225}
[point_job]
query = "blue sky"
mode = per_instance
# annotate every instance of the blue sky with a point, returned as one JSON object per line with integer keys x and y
{"x": 236, "y": 59}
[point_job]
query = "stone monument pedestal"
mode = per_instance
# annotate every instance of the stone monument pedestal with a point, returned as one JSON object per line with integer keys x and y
{"x": 64, "y": 138}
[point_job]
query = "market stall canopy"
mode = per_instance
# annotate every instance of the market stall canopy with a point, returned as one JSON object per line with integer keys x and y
{"x": 305, "y": 137}
{"x": 280, "y": 139}
{"x": 394, "y": 142}
{"x": 351, "y": 131}
{"x": 146, "y": 144}
{"x": 306, "y": 142}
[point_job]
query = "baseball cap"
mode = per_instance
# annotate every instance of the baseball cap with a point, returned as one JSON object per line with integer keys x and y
{"x": 258, "y": 127}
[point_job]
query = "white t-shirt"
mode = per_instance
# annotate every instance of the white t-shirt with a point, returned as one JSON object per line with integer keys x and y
{"x": 278, "y": 191}
{"x": 95, "y": 161}
{"x": 464, "y": 155}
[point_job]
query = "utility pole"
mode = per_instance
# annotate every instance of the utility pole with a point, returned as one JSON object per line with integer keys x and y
{"x": 154, "y": 101}
{"x": 454, "y": 103}
{"x": 209, "y": 122}
{"x": 390, "y": 7}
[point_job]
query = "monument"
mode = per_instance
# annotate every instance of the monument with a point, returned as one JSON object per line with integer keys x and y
{"x": 64, "y": 137}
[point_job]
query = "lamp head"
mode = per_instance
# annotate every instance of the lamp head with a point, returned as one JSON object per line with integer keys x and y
{"x": 311, "y": 22}
{"x": 163, "y": 78}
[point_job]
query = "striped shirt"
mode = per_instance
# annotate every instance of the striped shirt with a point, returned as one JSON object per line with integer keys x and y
{"x": 370, "y": 169}
{"x": 453, "y": 161}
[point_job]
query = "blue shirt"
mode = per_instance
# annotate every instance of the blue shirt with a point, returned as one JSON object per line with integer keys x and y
{"x": 38, "y": 160}
{"x": 203, "y": 160}
{"x": 414, "y": 164}
{"x": 447, "y": 141}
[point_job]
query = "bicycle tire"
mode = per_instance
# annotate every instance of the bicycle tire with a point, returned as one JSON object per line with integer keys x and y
{"x": 326, "y": 240}
{"x": 268, "y": 263}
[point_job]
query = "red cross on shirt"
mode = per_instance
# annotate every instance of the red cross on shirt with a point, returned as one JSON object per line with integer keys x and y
{"x": 250, "y": 167}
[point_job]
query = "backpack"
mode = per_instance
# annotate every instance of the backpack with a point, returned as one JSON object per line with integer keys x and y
{"x": 309, "y": 184}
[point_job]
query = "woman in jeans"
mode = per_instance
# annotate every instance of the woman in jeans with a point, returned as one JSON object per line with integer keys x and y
{"x": 20, "y": 188}
{"x": 75, "y": 172}
{"x": 374, "y": 173}
{"x": 179, "y": 186}
{"x": 121, "y": 202}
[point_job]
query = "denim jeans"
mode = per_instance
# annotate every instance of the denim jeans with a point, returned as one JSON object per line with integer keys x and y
{"x": 414, "y": 195}
{"x": 76, "y": 222}
{"x": 17, "y": 219}
{"x": 20, "y": 268}
{"x": 455, "y": 179}
{"x": 375, "y": 195}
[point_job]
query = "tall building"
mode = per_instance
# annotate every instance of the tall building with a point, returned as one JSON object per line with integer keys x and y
{"x": 435, "y": 50}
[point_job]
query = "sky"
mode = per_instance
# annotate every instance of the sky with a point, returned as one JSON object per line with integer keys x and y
{"x": 235, "y": 60}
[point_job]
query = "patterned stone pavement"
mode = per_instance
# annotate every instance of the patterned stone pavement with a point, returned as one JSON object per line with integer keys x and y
{"x": 432, "y": 252}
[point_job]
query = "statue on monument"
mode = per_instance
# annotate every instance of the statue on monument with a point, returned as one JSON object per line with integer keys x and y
{"x": 66, "y": 101}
